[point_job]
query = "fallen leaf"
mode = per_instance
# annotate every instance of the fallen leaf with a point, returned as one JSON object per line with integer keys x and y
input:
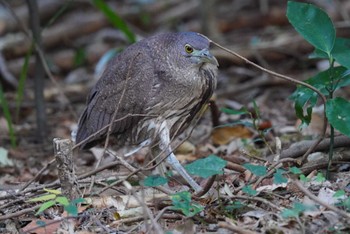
{"x": 224, "y": 135}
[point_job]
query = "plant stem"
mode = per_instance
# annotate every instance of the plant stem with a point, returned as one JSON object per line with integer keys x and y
{"x": 331, "y": 142}
{"x": 331, "y": 150}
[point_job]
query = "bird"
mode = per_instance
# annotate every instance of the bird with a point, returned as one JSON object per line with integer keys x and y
{"x": 150, "y": 93}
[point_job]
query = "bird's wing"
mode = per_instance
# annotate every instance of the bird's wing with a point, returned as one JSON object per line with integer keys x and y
{"x": 124, "y": 88}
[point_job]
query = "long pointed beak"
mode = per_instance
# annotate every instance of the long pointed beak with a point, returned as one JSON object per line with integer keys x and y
{"x": 207, "y": 57}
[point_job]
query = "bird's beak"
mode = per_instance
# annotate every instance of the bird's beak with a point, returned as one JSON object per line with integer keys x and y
{"x": 205, "y": 56}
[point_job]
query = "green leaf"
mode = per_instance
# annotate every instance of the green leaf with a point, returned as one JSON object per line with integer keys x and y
{"x": 303, "y": 178}
{"x": 78, "y": 200}
{"x": 79, "y": 57}
{"x": 249, "y": 190}
{"x": 318, "y": 54}
{"x": 71, "y": 209}
{"x": 345, "y": 203}
{"x": 234, "y": 206}
{"x": 154, "y": 180}
{"x": 320, "y": 178}
{"x": 297, "y": 209}
{"x": 62, "y": 200}
{"x": 45, "y": 206}
{"x": 339, "y": 193}
{"x": 278, "y": 177}
{"x": 40, "y": 223}
{"x": 242, "y": 111}
{"x": 256, "y": 169}
{"x": 115, "y": 19}
{"x": 182, "y": 201}
{"x": 53, "y": 191}
{"x": 206, "y": 167}
{"x": 43, "y": 198}
{"x": 289, "y": 213}
{"x": 341, "y": 51}
{"x": 338, "y": 114}
{"x": 313, "y": 24}
{"x": 295, "y": 170}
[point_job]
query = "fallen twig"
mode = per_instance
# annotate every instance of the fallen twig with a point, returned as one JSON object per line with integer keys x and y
{"x": 317, "y": 200}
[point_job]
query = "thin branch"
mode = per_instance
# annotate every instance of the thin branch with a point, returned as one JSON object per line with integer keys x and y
{"x": 317, "y": 200}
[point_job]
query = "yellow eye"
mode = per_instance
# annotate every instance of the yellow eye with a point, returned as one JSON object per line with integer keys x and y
{"x": 188, "y": 49}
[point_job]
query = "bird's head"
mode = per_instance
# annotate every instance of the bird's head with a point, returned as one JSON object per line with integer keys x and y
{"x": 194, "y": 47}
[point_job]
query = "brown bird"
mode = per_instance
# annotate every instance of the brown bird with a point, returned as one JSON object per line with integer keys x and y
{"x": 152, "y": 92}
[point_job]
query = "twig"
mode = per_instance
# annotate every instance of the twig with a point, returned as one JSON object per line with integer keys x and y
{"x": 258, "y": 199}
{"x": 38, "y": 174}
{"x": 272, "y": 170}
{"x": 207, "y": 187}
{"x": 19, "y": 213}
{"x": 147, "y": 211}
{"x": 297, "y": 149}
{"x": 317, "y": 200}
{"x": 230, "y": 226}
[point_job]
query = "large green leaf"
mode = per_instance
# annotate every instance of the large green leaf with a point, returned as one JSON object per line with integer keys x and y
{"x": 206, "y": 167}
{"x": 313, "y": 24}
{"x": 338, "y": 114}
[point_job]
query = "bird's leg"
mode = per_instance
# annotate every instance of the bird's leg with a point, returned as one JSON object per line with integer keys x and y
{"x": 164, "y": 145}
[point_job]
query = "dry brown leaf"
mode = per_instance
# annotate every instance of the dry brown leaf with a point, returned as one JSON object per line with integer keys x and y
{"x": 51, "y": 228}
{"x": 222, "y": 136}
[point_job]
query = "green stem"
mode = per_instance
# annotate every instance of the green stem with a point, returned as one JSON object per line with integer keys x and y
{"x": 331, "y": 143}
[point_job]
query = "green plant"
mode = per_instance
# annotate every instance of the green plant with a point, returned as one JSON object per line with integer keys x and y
{"x": 182, "y": 202}
{"x": 54, "y": 197}
{"x": 317, "y": 28}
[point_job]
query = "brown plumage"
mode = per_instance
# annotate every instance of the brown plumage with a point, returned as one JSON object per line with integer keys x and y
{"x": 155, "y": 87}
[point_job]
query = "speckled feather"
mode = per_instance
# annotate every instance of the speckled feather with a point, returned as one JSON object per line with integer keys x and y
{"x": 149, "y": 82}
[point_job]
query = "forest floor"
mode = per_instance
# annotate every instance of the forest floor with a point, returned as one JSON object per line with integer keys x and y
{"x": 263, "y": 188}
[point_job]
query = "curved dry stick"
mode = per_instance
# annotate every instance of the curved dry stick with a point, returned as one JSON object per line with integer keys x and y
{"x": 342, "y": 213}
{"x": 323, "y": 98}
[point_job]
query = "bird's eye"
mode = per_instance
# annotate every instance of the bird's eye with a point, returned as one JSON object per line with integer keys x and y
{"x": 188, "y": 49}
